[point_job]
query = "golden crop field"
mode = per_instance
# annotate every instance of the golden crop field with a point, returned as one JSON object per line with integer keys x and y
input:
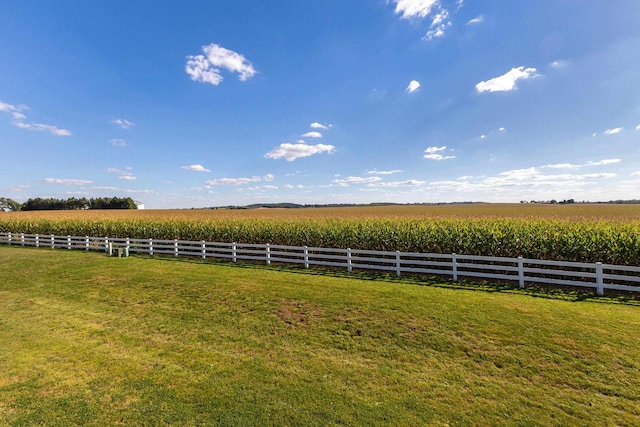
{"x": 597, "y": 232}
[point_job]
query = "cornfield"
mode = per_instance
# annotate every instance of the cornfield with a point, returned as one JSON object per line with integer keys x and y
{"x": 610, "y": 238}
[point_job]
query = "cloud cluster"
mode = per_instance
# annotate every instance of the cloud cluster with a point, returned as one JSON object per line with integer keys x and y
{"x": 207, "y": 68}
{"x": 291, "y": 152}
{"x": 420, "y": 9}
{"x": 300, "y": 149}
{"x": 19, "y": 120}
{"x": 123, "y": 123}
{"x": 433, "y": 153}
{"x": 506, "y": 82}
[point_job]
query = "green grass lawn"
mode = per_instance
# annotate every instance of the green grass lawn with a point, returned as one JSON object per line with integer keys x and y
{"x": 90, "y": 340}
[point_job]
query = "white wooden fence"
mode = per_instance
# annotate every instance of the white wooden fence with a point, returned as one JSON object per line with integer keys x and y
{"x": 519, "y": 270}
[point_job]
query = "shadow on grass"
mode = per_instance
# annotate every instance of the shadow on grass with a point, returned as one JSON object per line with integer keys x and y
{"x": 564, "y": 293}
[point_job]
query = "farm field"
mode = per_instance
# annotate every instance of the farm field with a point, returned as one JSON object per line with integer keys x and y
{"x": 583, "y": 233}
{"x": 87, "y": 339}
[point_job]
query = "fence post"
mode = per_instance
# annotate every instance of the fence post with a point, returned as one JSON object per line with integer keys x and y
{"x": 68, "y": 242}
{"x": 9, "y": 239}
{"x": 268, "y": 254}
{"x": 150, "y": 246}
{"x": 21, "y": 239}
{"x": 106, "y": 245}
{"x": 599, "y": 278}
{"x": 53, "y": 242}
{"x": 234, "y": 252}
{"x": 175, "y": 247}
{"x": 204, "y": 250}
{"x": 37, "y": 240}
{"x": 349, "y": 267}
{"x": 520, "y": 272}
{"x": 398, "y": 263}
{"x": 306, "y": 257}
{"x": 454, "y": 266}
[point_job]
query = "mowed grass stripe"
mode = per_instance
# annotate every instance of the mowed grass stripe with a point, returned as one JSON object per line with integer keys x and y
{"x": 92, "y": 340}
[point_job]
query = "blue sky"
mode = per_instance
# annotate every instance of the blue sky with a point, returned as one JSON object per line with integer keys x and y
{"x": 211, "y": 103}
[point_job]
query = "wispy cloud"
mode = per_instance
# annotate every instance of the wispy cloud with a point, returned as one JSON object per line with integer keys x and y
{"x": 316, "y": 125}
{"x": 433, "y": 153}
{"x": 238, "y": 181}
{"x": 65, "y": 181}
{"x": 604, "y": 162}
{"x": 207, "y": 68}
{"x": 118, "y": 142}
{"x": 196, "y": 168}
{"x": 19, "y": 120}
{"x": 123, "y": 123}
{"x": 413, "y": 86}
{"x": 390, "y": 172}
{"x": 125, "y": 190}
{"x": 477, "y": 20}
{"x": 506, "y": 82}
{"x": 313, "y": 134}
{"x": 126, "y": 174}
{"x": 357, "y": 180}
{"x": 291, "y": 152}
{"x": 398, "y": 184}
{"x": 613, "y": 131}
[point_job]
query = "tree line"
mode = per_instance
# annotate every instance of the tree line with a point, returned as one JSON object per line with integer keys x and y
{"x": 73, "y": 203}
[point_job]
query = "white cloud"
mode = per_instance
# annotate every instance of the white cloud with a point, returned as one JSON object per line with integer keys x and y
{"x": 311, "y": 135}
{"x": 638, "y": 127}
{"x": 207, "y": 68}
{"x": 391, "y": 172}
{"x": 574, "y": 166}
{"x": 122, "y": 174}
{"x": 63, "y": 181}
{"x": 507, "y": 81}
{"x": 409, "y": 9}
{"x": 269, "y": 177}
{"x": 118, "y": 142}
{"x": 432, "y": 153}
{"x": 356, "y": 180}
{"x": 123, "y": 123}
{"x": 233, "y": 181}
{"x": 413, "y": 86}
{"x": 291, "y": 152}
{"x": 483, "y": 136}
{"x": 316, "y": 125}
{"x": 196, "y": 168}
{"x": 477, "y": 20}
{"x": 502, "y": 130}
{"x": 636, "y": 173}
{"x": 613, "y": 131}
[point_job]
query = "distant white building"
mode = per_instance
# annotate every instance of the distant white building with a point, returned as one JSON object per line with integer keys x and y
{"x": 139, "y": 204}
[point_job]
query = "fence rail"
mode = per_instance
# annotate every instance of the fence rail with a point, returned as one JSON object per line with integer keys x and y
{"x": 519, "y": 270}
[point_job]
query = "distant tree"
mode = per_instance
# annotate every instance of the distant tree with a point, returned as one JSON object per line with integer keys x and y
{"x": 10, "y": 205}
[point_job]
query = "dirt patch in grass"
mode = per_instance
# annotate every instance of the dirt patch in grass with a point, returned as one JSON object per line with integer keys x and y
{"x": 298, "y": 313}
